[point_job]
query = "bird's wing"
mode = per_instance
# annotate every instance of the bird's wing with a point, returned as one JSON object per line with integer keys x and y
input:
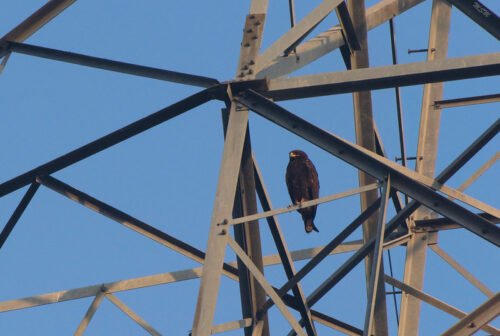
{"x": 313, "y": 182}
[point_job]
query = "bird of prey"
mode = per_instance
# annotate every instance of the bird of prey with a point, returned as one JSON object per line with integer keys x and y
{"x": 303, "y": 185}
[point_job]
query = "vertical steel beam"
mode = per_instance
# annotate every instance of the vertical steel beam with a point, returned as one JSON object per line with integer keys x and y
{"x": 218, "y": 235}
{"x": 430, "y": 117}
{"x": 16, "y": 215}
{"x": 365, "y": 136}
{"x": 376, "y": 267}
{"x": 248, "y": 235}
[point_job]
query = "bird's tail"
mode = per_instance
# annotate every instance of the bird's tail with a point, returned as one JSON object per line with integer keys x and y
{"x": 309, "y": 224}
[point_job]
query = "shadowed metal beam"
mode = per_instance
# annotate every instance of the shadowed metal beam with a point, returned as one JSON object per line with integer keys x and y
{"x": 480, "y": 14}
{"x": 442, "y": 223}
{"x": 110, "y": 65}
{"x": 403, "y": 179}
{"x": 471, "y": 323}
{"x": 331, "y": 39}
{"x": 442, "y": 104}
{"x": 129, "y": 221}
{"x": 435, "y": 302}
{"x": 111, "y": 139}
{"x": 18, "y": 212}
{"x": 384, "y": 77}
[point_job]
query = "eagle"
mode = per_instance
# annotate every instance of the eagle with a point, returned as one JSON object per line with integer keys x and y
{"x": 303, "y": 185}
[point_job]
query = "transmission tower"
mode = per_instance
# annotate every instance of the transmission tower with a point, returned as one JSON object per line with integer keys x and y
{"x": 400, "y": 207}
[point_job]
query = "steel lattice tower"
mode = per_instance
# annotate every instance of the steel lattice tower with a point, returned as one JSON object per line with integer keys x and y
{"x": 422, "y": 202}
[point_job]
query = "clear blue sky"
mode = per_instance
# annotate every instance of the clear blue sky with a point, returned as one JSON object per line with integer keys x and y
{"x": 167, "y": 176}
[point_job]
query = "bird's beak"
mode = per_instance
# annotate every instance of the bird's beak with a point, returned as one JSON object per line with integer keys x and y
{"x": 292, "y": 155}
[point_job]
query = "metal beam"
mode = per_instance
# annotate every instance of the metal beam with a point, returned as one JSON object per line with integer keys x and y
{"x": 218, "y": 234}
{"x": 110, "y": 139}
{"x": 36, "y": 20}
{"x": 458, "y": 102}
{"x": 293, "y": 37}
{"x": 128, "y": 221}
{"x": 384, "y": 77}
{"x": 479, "y": 172}
{"x": 133, "y": 315}
{"x": 471, "y": 323}
{"x": 248, "y": 234}
{"x": 325, "y": 251}
{"x": 286, "y": 258}
{"x": 403, "y": 179}
{"x": 366, "y": 137}
{"x": 266, "y": 286}
{"x": 461, "y": 270}
{"x": 442, "y": 223}
{"x": 94, "y": 305}
{"x": 430, "y": 118}
{"x": 291, "y": 208}
{"x": 435, "y": 302}
{"x": 111, "y": 65}
{"x": 347, "y": 27}
{"x": 233, "y": 325}
{"x": 152, "y": 280}
{"x": 480, "y": 14}
{"x": 333, "y": 38}
{"x": 377, "y": 268}
{"x": 18, "y": 212}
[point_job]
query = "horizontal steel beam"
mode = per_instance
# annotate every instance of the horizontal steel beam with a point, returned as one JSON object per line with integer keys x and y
{"x": 110, "y": 65}
{"x": 480, "y": 14}
{"x": 442, "y": 223}
{"x": 457, "y": 102}
{"x": 307, "y": 204}
{"x": 402, "y": 178}
{"x": 110, "y": 139}
{"x": 152, "y": 280}
{"x": 384, "y": 77}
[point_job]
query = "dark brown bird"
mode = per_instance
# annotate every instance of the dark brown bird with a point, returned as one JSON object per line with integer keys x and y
{"x": 303, "y": 185}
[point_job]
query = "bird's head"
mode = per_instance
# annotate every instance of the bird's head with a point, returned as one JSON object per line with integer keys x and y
{"x": 297, "y": 154}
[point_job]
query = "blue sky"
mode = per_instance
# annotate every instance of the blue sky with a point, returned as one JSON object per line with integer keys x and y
{"x": 168, "y": 175}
